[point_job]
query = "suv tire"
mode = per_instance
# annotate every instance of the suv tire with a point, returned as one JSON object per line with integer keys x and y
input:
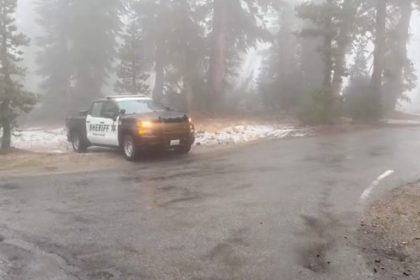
{"x": 129, "y": 148}
{"x": 78, "y": 143}
{"x": 185, "y": 149}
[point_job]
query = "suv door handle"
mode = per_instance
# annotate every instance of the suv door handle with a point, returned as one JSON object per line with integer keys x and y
{"x": 88, "y": 122}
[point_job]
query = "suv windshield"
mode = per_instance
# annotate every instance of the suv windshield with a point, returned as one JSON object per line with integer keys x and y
{"x": 140, "y": 106}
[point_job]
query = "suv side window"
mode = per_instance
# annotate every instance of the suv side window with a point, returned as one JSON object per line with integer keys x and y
{"x": 109, "y": 110}
{"x": 96, "y": 109}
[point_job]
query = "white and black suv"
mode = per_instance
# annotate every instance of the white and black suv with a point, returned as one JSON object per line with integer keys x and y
{"x": 131, "y": 123}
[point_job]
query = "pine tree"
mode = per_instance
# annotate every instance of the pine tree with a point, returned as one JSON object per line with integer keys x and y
{"x": 78, "y": 50}
{"x": 154, "y": 18}
{"x": 134, "y": 63}
{"x": 54, "y": 61}
{"x": 174, "y": 32}
{"x": 379, "y": 52}
{"x": 185, "y": 52}
{"x": 280, "y": 81}
{"x": 350, "y": 26}
{"x": 359, "y": 103}
{"x": 399, "y": 74}
{"x": 333, "y": 24}
{"x": 359, "y": 69}
{"x": 217, "y": 69}
{"x": 13, "y": 98}
{"x": 236, "y": 26}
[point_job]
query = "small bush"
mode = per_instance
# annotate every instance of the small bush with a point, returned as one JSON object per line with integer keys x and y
{"x": 361, "y": 103}
{"x": 321, "y": 108}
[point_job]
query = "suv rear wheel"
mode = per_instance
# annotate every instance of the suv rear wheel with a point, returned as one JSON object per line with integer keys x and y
{"x": 78, "y": 144}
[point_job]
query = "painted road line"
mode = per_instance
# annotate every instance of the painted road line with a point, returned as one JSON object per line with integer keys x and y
{"x": 366, "y": 193}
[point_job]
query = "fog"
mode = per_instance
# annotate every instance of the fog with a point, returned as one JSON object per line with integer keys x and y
{"x": 209, "y": 139}
{"x": 414, "y": 53}
{"x": 247, "y": 80}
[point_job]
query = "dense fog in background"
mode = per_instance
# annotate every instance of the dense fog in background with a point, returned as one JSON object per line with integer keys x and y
{"x": 27, "y": 23}
{"x": 314, "y": 61}
{"x": 414, "y": 50}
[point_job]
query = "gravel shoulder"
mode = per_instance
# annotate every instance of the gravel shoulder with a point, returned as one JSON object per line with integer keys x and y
{"x": 390, "y": 234}
{"x": 20, "y": 163}
{"x": 43, "y": 152}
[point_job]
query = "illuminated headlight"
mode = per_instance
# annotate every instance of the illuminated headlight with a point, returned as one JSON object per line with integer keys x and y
{"x": 144, "y": 127}
{"x": 192, "y": 128}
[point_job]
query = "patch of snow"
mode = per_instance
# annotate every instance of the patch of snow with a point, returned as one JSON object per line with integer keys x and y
{"x": 41, "y": 140}
{"x": 403, "y": 122}
{"x": 245, "y": 133}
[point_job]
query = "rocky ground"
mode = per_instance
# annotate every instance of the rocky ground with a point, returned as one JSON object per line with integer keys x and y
{"x": 390, "y": 234}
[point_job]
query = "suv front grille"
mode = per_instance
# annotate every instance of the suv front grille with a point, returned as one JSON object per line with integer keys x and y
{"x": 176, "y": 128}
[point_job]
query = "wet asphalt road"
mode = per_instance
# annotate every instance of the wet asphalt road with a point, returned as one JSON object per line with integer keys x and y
{"x": 274, "y": 210}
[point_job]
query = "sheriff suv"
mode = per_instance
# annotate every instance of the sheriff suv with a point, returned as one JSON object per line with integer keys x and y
{"x": 133, "y": 124}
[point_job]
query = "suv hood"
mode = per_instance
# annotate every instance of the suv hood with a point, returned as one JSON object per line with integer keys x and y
{"x": 166, "y": 116}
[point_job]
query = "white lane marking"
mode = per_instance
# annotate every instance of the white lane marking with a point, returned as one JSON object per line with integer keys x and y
{"x": 374, "y": 184}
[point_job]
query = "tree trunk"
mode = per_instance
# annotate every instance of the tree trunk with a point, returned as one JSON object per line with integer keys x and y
{"x": 328, "y": 67}
{"x": 134, "y": 76}
{"x": 160, "y": 75}
{"x": 5, "y": 115}
{"x": 402, "y": 36}
{"x": 337, "y": 80}
{"x": 217, "y": 55}
{"x": 343, "y": 42}
{"x": 189, "y": 96}
{"x": 7, "y": 135}
{"x": 5, "y": 124}
{"x": 379, "y": 52}
{"x": 329, "y": 100}
{"x": 328, "y": 59}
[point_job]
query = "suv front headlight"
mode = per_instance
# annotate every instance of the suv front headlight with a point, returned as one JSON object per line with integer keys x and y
{"x": 144, "y": 127}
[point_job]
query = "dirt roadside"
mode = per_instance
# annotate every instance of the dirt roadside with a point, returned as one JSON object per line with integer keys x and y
{"x": 27, "y": 163}
{"x": 390, "y": 234}
{"x": 22, "y": 163}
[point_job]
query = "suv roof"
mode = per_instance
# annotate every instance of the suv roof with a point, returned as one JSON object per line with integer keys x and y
{"x": 128, "y": 97}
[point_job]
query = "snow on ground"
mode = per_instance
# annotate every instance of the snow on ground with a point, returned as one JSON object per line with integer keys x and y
{"x": 245, "y": 133}
{"x": 43, "y": 140}
{"x": 402, "y": 122}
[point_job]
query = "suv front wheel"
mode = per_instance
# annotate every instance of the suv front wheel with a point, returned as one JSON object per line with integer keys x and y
{"x": 129, "y": 148}
{"x": 185, "y": 149}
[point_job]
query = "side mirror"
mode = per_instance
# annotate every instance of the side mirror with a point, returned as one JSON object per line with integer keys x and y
{"x": 109, "y": 115}
{"x": 120, "y": 113}
{"x": 83, "y": 113}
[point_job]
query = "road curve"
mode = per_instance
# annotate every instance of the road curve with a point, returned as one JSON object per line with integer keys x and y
{"x": 284, "y": 209}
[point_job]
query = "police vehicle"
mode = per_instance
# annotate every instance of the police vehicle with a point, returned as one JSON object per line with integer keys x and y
{"x": 133, "y": 124}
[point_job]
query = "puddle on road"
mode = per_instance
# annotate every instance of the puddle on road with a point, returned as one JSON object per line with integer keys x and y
{"x": 227, "y": 252}
{"x": 319, "y": 237}
{"x": 9, "y": 186}
{"x": 378, "y": 151}
{"x": 313, "y": 254}
{"x": 180, "y": 200}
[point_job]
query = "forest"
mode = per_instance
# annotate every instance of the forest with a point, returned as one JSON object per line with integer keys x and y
{"x": 316, "y": 60}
